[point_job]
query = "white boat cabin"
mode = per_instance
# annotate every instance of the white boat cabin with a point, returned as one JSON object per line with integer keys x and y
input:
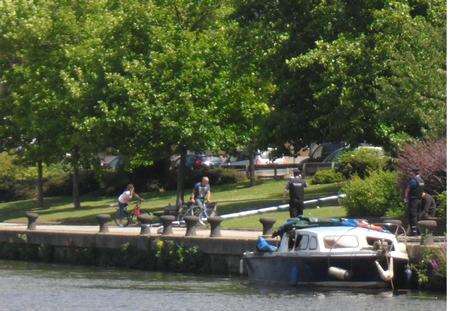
{"x": 337, "y": 240}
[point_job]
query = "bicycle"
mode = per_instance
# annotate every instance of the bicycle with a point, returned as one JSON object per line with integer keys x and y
{"x": 124, "y": 218}
{"x": 192, "y": 209}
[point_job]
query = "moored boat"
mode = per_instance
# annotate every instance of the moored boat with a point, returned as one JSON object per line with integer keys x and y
{"x": 336, "y": 253}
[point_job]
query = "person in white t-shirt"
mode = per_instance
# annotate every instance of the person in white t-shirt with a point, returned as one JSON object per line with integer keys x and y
{"x": 126, "y": 197}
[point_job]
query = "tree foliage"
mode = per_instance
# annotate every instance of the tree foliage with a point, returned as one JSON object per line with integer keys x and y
{"x": 341, "y": 68}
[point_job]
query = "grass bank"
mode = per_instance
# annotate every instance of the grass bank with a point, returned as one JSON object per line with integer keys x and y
{"x": 231, "y": 198}
{"x": 252, "y": 222}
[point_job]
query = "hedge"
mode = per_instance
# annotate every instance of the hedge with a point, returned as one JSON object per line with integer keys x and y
{"x": 373, "y": 196}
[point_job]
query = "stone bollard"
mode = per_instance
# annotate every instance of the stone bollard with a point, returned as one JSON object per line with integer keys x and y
{"x": 214, "y": 222}
{"x": 167, "y": 224}
{"x": 267, "y": 225}
{"x": 32, "y": 217}
{"x": 191, "y": 225}
{"x": 103, "y": 222}
{"x": 145, "y": 221}
{"x": 426, "y": 228}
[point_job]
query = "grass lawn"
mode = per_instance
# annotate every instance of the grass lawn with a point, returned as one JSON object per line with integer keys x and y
{"x": 252, "y": 222}
{"x": 230, "y": 198}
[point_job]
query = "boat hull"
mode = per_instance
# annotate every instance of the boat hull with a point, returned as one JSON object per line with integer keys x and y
{"x": 288, "y": 269}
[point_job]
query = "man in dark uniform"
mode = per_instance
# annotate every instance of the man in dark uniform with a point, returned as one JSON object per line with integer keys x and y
{"x": 428, "y": 206}
{"x": 413, "y": 197}
{"x": 296, "y": 188}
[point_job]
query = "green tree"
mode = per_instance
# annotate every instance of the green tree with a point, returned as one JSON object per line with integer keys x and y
{"x": 336, "y": 65}
{"x": 52, "y": 67}
{"x": 251, "y": 91}
{"x": 28, "y": 126}
{"x": 173, "y": 89}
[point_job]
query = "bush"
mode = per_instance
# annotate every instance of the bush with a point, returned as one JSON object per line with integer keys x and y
{"x": 114, "y": 182}
{"x": 431, "y": 159}
{"x": 431, "y": 270}
{"x": 16, "y": 181}
{"x": 217, "y": 176}
{"x": 361, "y": 162}
{"x": 441, "y": 212}
{"x": 327, "y": 176}
{"x": 373, "y": 196}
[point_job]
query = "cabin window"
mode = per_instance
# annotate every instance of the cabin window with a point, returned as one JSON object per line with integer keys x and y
{"x": 313, "y": 243}
{"x": 340, "y": 241}
{"x": 301, "y": 242}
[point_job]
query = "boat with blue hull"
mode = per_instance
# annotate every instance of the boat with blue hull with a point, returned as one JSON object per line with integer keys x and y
{"x": 331, "y": 254}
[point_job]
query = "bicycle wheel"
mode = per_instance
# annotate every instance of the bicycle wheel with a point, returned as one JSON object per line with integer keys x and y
{"x": 186, "y": 211}
{"x": 132, "y": 219}
{"x": 121, "y": 219}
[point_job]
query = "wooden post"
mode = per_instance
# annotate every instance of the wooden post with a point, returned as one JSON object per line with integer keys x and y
{"x": 40, "y": 188}
{"x": 180, "y": 177}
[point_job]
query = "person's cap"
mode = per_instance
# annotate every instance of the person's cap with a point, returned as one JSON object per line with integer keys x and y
{"x": 415, "y": 168}
{"x": 296, "y": 171}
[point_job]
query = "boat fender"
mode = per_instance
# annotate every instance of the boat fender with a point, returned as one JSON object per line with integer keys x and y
{"x": 294, "y": 277}
{"x": 408, "y": 274}
{"x": 339, "y": 273}
{"x": 389, "y": 273}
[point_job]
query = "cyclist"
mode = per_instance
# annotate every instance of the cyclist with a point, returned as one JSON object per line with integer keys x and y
{"x": 125, "y": 198}
{"x": 201, "y": 194}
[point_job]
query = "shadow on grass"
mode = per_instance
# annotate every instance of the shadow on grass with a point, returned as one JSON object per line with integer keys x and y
{"x": 245, "y": 205}
{"x": 17, "y": 209}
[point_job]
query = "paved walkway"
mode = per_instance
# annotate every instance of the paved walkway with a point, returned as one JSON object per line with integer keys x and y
{"x": 237, "y": 234}
{"x": 178, "y": 231}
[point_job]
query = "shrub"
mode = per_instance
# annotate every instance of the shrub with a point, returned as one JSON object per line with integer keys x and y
{"x": 372, "y": 196}
{"x": 441, "y": 212}
{"x": 217, "y": 176}
{"x": 220, "y": 176}
{"x": 431, "y": 159}
{"x": 431, "y": 270}
{"x": 327, "y": 176}
{"x": 113, "y": 182}
{"x": 361, "y": 162}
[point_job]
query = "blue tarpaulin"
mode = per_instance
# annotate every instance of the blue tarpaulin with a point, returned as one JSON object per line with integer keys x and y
{"x": 263, "y": 246}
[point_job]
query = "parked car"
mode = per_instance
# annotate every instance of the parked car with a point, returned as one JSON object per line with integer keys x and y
{"x": 318, "y": 152}
{"x": 207, "y": 161}
{"x": 334, "y": 156}
{"x": 197, "y": 161}
{"x": 262, "y": 158}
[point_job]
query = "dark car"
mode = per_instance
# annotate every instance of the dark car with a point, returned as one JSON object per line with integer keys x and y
{"x": 207, "y": 161}
{"x": 318, "y": 152}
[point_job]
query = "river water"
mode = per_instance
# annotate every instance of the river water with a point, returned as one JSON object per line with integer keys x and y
{"x": 37, "y": 286}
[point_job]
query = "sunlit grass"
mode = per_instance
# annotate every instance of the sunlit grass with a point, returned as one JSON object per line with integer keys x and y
{"x": 252, "y": 222}
{"x": 230, "y": 198}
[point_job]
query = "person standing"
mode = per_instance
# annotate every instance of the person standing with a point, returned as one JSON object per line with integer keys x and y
{"x": 296, "y": 189}
{"x": 428, "y": 206}
{"x": 413, "y": 197}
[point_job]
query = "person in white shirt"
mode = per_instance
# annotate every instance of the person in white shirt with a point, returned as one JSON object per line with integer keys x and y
{"x": 126, "y": 197}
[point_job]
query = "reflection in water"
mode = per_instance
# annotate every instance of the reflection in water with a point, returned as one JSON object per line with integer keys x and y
{"x": 31, "y": 286}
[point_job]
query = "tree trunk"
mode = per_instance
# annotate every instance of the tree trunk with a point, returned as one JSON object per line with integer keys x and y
{"x": 251, "y": 168}
{"x": 180, "y": 177}
{"x": 40, "y": 190}
{"x": 75, "y": 177}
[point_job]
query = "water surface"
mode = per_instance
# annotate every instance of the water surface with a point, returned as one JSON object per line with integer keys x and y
{"x": 36, "y": 286}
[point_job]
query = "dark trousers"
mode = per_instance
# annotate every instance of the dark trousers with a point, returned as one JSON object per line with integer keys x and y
{"x": 295, "y": 209}
{"x": 414, "y": 207}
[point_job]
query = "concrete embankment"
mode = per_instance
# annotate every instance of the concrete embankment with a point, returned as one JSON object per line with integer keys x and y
{"x": 220, "y": 255}
{"x": 127, "y": 247}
